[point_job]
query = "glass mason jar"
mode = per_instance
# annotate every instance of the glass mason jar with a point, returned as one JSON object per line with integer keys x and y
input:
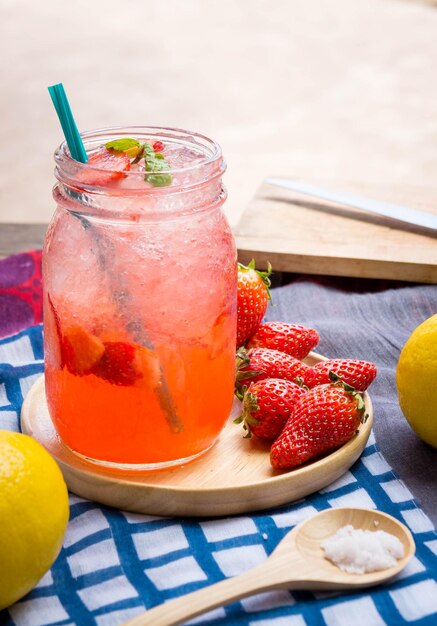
{"x": 140, "y": 304}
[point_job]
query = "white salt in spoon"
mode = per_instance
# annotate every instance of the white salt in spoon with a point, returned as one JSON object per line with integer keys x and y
{"x": 297, "y": 562}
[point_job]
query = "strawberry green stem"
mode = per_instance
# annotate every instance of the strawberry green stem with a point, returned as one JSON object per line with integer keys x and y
{"x": 242, "y": 360}
{"x": 250, "y": 405}
{"x": 336, "y": 380}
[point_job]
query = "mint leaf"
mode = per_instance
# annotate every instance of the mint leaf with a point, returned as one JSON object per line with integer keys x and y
{"x": 156, "y": 163}
{"x": 149, "y": 152}
{"x": 158, "y": 180}
{"x": 122, "y": 144}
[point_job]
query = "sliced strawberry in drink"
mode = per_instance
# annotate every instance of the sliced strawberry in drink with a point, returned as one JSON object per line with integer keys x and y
{"x": 117, "y": 364}
{"x": 127, "y": 364}
{"x": 81, "y": 350}
{"x": 158, "y": 146}
{"x": 111, "y": 163}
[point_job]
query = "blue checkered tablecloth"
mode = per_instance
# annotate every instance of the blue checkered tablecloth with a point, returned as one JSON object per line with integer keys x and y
{"x": 114, "y": 564}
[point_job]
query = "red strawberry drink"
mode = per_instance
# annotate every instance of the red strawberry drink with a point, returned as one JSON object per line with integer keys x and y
{"x": 140, "y": 298}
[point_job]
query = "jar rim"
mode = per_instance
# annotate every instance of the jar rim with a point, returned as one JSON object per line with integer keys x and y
{"x": 69, "y": 170}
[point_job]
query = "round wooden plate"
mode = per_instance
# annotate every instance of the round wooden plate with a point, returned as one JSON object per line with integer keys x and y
{"x": 234, "y": 476}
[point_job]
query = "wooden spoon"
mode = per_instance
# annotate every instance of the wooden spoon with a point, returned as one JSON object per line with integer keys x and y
{"x": 297, "y": 562}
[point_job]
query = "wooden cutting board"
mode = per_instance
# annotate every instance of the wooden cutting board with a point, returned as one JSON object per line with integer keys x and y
{"x": 298, "y": 233}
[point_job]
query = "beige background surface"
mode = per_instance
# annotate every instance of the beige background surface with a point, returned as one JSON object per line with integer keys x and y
{"x": 341, "y": 89}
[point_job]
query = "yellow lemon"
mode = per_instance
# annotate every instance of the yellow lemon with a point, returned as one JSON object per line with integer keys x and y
{"x": 416, "y": 379}
{"x": 33, "y": 514}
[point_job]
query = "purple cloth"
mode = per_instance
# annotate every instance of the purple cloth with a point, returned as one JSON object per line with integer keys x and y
{"x": 20, "y": 292}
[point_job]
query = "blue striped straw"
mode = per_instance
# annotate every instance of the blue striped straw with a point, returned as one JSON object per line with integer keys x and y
{"x": 72, "y": 135}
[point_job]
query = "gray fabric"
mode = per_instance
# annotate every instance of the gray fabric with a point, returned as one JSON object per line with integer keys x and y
{"x": 371, "y": 325}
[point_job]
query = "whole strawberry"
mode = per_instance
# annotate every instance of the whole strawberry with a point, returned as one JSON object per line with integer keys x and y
{"x": 357, "y": 374}
{"x": 324, "y": 419}
{"x": 253, "y": 296}
{"x": 267, "y": 405}
{"x": 81, "y": 350}
{"x": 294, "y": 339}
{"x": 259, "y": 363}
